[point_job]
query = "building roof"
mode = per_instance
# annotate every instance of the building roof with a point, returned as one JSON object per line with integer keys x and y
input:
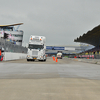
{"x": 11, "y": 25}
{"x": 91, "y": 37}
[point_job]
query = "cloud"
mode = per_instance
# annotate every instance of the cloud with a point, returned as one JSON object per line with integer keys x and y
{"x": 61, "y": 21}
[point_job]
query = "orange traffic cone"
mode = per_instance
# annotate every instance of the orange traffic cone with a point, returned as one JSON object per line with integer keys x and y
{"x": 56, "y": 59}
{"x": 53, "y": 58}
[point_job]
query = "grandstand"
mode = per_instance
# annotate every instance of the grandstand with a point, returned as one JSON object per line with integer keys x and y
{"x": 91, "y": 37}
{"x": 13, "y": 41}
{"x": 11, "y": 33}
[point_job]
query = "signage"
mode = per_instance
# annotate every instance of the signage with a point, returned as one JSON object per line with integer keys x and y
{"x": 54, "y": 48}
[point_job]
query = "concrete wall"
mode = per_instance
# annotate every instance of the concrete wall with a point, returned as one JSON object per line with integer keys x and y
{"x": 13, "y": 56}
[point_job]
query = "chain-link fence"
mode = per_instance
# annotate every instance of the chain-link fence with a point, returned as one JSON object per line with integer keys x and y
{"x": 10, "y": 47}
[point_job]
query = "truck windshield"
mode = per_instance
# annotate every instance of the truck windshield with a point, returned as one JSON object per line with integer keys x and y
{"x": 31, "y": 46}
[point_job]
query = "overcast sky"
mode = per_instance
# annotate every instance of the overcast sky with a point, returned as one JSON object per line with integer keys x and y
{"x": 61, "y": 21}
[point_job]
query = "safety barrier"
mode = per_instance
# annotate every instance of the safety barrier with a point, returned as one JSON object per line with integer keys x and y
{"x": 85, "y": 56}
{"x": 95, "y": 56}
{"x": 12, "y": 51}
{"x": 13, "y": 56}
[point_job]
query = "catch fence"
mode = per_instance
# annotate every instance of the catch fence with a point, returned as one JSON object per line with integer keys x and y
{"x": 11, "y": 47}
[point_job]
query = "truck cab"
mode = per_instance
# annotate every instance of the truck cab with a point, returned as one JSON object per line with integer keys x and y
{"x": 36, "y": 48}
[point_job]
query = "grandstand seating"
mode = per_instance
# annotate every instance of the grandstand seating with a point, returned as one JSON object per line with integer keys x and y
{"x": 91, "y": 37}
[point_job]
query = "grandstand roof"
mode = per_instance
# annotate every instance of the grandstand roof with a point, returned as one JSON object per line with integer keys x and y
{"x": 11, "y": 25}
{"x": 91, "y": 37}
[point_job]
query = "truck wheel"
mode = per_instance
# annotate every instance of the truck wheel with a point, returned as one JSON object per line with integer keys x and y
{"x": 27, "y": 59}
{"x": 44, "y": 59}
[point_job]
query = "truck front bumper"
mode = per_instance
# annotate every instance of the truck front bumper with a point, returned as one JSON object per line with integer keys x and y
{"x": 35, "y": 57}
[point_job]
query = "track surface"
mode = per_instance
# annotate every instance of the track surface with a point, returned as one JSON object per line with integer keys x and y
{"x": 50, "y": 80}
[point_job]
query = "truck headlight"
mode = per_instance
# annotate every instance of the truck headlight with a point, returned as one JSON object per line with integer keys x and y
{"x": 41, "y": 56}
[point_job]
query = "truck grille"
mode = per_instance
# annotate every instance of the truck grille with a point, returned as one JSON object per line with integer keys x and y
{"x": 35, "y": 53}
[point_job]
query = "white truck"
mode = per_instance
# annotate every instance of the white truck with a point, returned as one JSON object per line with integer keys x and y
{"x": 59, "y": 55}
{"x": 36, "y": 48}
